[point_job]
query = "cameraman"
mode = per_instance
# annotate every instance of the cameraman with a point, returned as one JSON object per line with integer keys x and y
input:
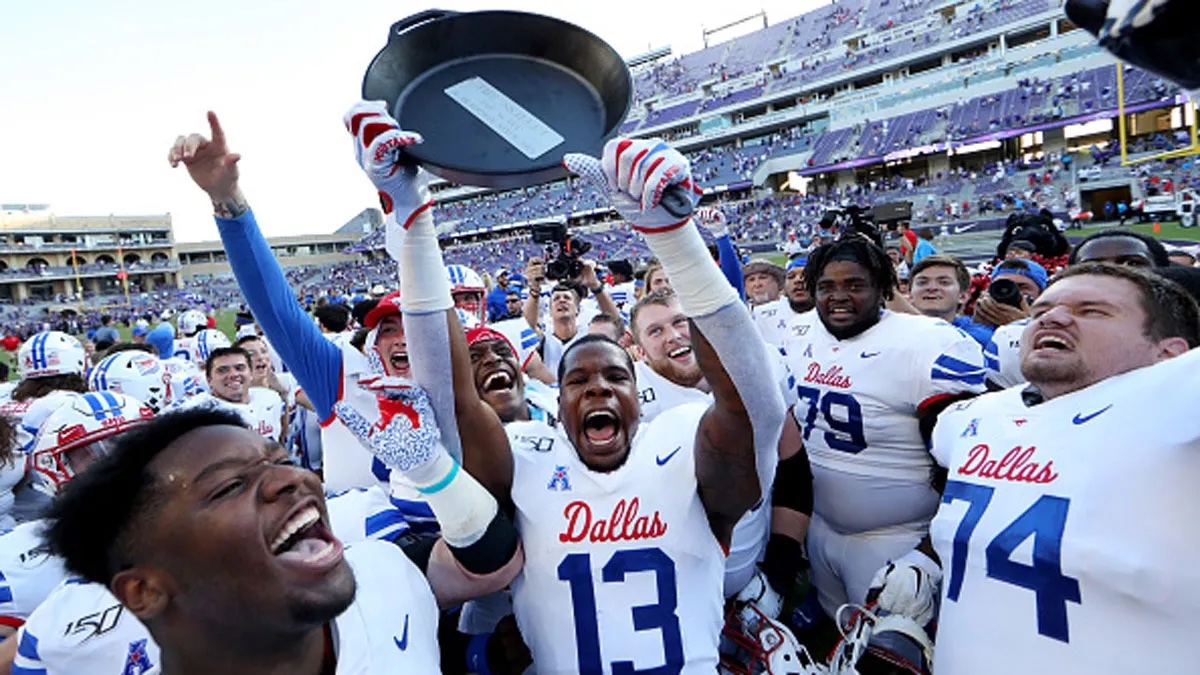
{"x": 1030, "y": 280}
{"x": 566, "y": 322}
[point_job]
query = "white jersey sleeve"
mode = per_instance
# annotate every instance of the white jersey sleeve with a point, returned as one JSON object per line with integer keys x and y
{"x": 952, "y": 364}
{"x": 1060, "y": 528}
{"x": 82, "y": 629}
{"x": 523, "y": 338}
{"x": 658, "y": 394}
{"x": 772, "y": 320}
{"x": 365, "y": 513}
{"x": 1002, "y": 356}
{"x": 183, "y": 348}
{"x": 28, "y": 573}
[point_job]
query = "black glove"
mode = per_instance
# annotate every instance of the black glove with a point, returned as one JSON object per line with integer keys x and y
{"x": 1162, "y": 36}
{"x": 782, "y": 563}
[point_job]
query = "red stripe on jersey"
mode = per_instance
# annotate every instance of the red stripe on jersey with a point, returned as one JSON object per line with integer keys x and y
{"x": 11, "y": 621}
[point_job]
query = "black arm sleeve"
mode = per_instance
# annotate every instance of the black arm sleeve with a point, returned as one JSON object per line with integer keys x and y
{"x": 793, "y": 484}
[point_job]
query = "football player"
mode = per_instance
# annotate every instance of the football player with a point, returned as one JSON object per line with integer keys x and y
{"x": 229, "y": 372}
{"x": 1036, "y": 468}
{"x": 773, "y": 318}
{"x": 870, "y": 382}
{"x": 225, "y": 552}
{"x": 190, "y": 323}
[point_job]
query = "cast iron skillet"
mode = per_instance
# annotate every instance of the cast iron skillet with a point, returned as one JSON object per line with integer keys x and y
{"x": 501, "y": 96}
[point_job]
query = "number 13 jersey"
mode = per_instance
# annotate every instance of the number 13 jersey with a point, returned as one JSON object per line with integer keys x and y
{"x": 1067, "y": 529}
{"x": 622, "y": 570}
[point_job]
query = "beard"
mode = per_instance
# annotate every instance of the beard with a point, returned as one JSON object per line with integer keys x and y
{"x": 684, "y": 376}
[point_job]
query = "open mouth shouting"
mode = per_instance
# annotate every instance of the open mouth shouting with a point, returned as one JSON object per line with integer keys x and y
{"x": 304, "y": 541}
{"x": 602, "y": 429}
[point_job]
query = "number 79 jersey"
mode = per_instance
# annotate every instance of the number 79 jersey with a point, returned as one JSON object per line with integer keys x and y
{"x": 622, "y": 571}
{"x": 859, "y": 398}
{"x": 1066, "y": 529}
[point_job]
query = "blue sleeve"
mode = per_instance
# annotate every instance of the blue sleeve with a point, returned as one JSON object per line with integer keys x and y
{"x": 731, "y": 266}
{"x": 315, "y": 361}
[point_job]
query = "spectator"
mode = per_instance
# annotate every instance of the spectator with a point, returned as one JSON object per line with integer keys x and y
{"x": 940, "y": 287}
{"x": 497, "y": 298}
{"x": 924, "y": 247}
{"x": 106, "y": 333}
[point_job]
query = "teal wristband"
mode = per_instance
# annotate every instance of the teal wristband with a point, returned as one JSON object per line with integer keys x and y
{"x": 441, "y": 484}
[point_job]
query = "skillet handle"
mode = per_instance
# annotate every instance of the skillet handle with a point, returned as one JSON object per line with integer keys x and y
{"x": 675, "y": 201}
{"x": 408, "y": 22}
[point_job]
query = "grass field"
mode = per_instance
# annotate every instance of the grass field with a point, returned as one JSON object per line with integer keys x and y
{"x": 225, "y": 323}
{"x": 976, "y": 244}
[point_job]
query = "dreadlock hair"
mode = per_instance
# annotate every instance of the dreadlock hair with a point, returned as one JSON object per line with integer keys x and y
{"x": 1158, "y": 252}
{"x": 855, "y": 249}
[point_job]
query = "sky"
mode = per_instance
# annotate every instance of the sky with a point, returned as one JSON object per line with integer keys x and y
{"x": 93, "y": 93}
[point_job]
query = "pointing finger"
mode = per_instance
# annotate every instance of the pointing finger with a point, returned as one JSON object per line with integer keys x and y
{"x": 214, "y": 125}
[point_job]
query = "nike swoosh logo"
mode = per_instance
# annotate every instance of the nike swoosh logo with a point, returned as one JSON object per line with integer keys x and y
{"x": 663, "y": 460}
{"x": 1084, "y": 419}
{"x": 869, "y": 355}
{"x": 964, "y": 228}
{"x": 402, "y": 641}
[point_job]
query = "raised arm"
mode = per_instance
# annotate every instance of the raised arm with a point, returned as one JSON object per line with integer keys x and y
{"x": 713, "y": 220}
{"x": 470, "y": 430}
{"x": 316, "y": 362}
{"x": 736, "y": 444}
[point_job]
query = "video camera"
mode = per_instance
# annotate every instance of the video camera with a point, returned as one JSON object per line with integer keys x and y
{"x": 566, "y": 263}
{"x": 848, "y": 221}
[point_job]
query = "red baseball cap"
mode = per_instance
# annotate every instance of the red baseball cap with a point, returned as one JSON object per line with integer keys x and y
{"x": 485, "y": 334}
{"x": 388, "y": 305}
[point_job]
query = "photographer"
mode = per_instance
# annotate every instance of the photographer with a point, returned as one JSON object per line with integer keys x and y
{"x": 1015, "y": 284}
{"x": 566, "y": 323}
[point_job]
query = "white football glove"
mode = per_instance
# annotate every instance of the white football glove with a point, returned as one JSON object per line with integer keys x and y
{"x": 406, "y": 436}
{"x": 403, "y": 187}
{"x": 634, "y": 173}
{"x": 713, "y": 220}
{"x": 909, "y": 586}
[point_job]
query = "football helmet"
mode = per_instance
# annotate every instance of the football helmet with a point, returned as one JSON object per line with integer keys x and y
{"x": 875, "y": 642}
{"x": 754, "y": 643}
{"x": 205, "y": 342}
{"x": 79, "y": 431}
{"x": 136, "y": 374}
{"x": 192, "y": 321}
{"x": 51, "y": 353}
{"x": 468, "y": 290}
{"x": 184, "y": 380}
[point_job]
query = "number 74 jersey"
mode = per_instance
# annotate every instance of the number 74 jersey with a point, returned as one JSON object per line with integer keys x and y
{"x": 1067, "y": 530}
{"x": 622, "y": 572}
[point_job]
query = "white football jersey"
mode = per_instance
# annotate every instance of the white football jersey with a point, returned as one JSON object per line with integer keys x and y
{"x": 391, "y": 627}
{"x": 772, "y": 320}
{"x": 183, "y": 348}
{"x": 1002, "y": 356}
{"x": 857, "y": 409}
{"x": 263, "y": 412}
{"x": 27, "y": 573}
{"x": 622, "y": 570}
{"x": 859, "y": 397}
{"x": 1064, "y": 529}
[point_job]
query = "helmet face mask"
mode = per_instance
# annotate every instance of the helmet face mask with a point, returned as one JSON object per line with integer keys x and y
{"x": 468, "y": 290}
{"x": 49, "y": 354}
{"x": 79, "y": 432}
